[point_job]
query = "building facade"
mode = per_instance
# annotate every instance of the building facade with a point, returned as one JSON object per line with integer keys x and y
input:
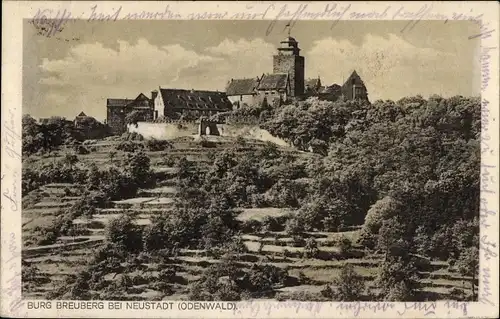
{"x": 189, "y": 104}
{"x": 140, "y": 108}
{"x": 289, "y": 61}
{"x": 242, "y": 91}
{"x": 287, "y": 81}
{"x": 272, "y": 87}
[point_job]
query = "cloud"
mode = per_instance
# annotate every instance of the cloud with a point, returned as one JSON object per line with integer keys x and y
{"x": 390, "y": 66}
{"x": 90, "y": 73}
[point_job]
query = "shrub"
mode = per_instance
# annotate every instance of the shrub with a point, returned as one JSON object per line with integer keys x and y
{"x": 349, "y": 285}
{"x": 81, "y": 150}
{"x": 345, "y": 245}
{"x": 251, "y": 226}
{"x": 270, "y": 223}
{"x": 311, "y": 249}
{"x": 123, "y": 231}
{"x": 294, "y": 226}
{"x": 131, "y": 136}
{"x": 155, "y": 145}
{"x": 129, "y": 146}
{"x": 207, "y": 144}
{"x": 457, "y": 294}
{"x": 327, "y": 292}
{"x": 167, "y": 275}
{"x": 303, "y": 279}
{"x": 163, "y": 287}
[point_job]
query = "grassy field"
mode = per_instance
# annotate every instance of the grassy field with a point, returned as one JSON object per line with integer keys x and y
{"x": 60, "y": 261}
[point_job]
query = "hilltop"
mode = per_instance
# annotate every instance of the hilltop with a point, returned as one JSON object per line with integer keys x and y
{"x": 388, "y": 204}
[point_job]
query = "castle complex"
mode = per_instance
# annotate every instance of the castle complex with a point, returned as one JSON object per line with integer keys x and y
{"x": 287, "y": 81}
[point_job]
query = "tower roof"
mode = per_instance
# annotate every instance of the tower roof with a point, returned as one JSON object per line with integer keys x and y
{"x": 289, "y": 40}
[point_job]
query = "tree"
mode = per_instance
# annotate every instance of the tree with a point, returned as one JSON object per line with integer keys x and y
{"x": 311, "y": 248}
{"x": 112, "y": 155}
{"x": 123, "y": 231}
{"x": 138, "y": 167}
{"x": 382, "y": 210}
{"x": 345, "y": 245}
{"x": 133, "y": 117}
{"x": 397, "y": 279}
{"x": 468, "y": 265}
{"x": 391, "y": 238}
{"x": 70, "y": 159}
{"x": 349, "y": 284}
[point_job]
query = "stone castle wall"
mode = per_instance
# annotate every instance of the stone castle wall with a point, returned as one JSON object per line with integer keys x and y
{"x": 175, "y": 129}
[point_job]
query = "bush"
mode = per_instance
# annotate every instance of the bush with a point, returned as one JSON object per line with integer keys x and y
{"x": 311, "y": 249}
{"x": 155, "y": 145}
{"x": 129, "y": 146}
{"x": 270, "y": 223}
{"x": 122, "y": 231}
{"x": 81, "y": 150}
{"x": 131, "y": 136}
{"x": 167, "y": 275}
{"x": 207, "y": 144}
{"x": 349, "y": 285}
{"x": 251, "y": 226}
{"x": 345, "y": 245}
{"x": 294, "y": 226}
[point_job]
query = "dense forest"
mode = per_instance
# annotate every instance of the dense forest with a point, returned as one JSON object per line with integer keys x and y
{"x": 405, "y": 172}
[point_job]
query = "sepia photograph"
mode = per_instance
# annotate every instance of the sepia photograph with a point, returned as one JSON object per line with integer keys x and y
{"x": 231, "y": 160}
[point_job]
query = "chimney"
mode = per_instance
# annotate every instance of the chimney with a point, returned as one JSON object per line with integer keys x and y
{"x": 154, "y": 94}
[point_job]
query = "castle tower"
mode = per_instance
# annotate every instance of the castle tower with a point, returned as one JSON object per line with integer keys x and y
{"x": 288, "y": 60}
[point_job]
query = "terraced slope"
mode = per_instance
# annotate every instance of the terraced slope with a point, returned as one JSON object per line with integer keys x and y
{"x": 60, "y": 260}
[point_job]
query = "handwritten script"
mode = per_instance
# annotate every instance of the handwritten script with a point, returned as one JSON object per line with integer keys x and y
{"x": 50, "y": 21}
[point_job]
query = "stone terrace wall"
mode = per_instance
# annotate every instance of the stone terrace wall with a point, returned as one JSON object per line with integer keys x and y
{"x": 175, "y": 129}
{"x": 251, "y": 132}
{"x": 164, "y": 131}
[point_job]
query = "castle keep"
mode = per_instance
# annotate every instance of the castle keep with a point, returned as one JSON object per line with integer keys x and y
{"x": 288, "y": 81}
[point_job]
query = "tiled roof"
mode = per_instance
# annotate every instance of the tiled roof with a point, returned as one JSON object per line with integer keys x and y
{"x": 192, "y": 99}
{"x": 354, "y": 76}
{"x": 118, "y": 102}
{"x": 273, "y": 81}
{"x": 241, "y": 86}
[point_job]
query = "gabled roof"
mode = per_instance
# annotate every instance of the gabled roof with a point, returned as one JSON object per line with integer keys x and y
{"x": 354, "y": 76}
{"x": 81, "y": 114}
{"x": 273, "y": 81}
{"x": 118, "y": 102}
{"x": 141, "y": 96}
{"x": 192, "y": 99}
{"x": 242, "y": 86}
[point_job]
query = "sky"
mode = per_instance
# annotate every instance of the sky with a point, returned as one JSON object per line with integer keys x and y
{"x": 88, "y": 62}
